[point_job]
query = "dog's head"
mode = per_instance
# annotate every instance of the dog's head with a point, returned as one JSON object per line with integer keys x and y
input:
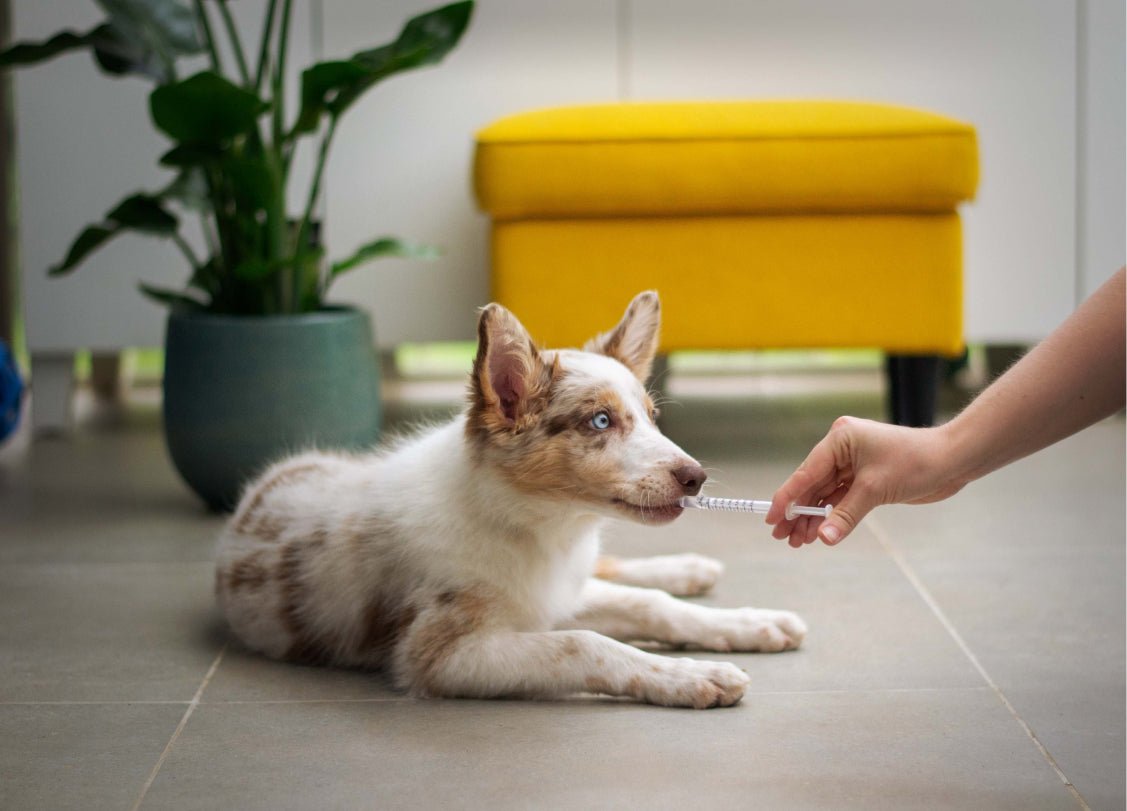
{"x": 578, "y": 425}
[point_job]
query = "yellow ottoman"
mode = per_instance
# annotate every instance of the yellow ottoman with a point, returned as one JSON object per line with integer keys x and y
{"x": 762, "y": 224}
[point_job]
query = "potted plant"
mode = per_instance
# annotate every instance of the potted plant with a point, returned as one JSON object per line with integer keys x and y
{"x": 256, "y": 362}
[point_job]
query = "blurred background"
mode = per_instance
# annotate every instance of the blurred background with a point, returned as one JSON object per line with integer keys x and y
{"x": 1041, "y": 80}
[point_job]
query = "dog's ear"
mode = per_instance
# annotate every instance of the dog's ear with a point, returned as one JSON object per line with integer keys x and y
{"x": 634, "y": 341}
{"x": 508, "y": 372}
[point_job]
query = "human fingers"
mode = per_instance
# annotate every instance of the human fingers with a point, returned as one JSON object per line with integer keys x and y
{"x": 801, "y": 532}
{"x": 851, "y": 505}
{"x": 818, "y": 471}
{"x": 804, "y": 528}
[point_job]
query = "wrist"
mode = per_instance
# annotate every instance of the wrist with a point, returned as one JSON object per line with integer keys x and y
{"x": 957, "y": 445}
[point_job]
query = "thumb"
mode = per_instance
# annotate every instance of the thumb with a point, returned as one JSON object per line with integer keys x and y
{"x": 846, "y": 515}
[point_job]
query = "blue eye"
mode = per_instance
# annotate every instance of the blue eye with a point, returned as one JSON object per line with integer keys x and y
{"x": 601, "y": 421}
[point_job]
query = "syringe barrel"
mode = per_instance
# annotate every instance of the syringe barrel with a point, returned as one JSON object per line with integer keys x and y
{"x": 738, "y": 505}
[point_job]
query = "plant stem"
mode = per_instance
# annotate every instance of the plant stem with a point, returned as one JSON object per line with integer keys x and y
{"x": 214, "y": 54}
{"x": 236, "y": 44}
{"x": 276, "y": 233}
{"x": 278, "y": 91}
{"x": 286, "y": 274}
{"x": 209, "y": 236}
{"x": 263, "y": 50}
{"x": 315, "y": 188}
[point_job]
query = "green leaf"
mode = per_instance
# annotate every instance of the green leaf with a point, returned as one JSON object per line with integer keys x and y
{"x": 171, "y": 297}
{"x": 332, "y": 87}
{"x": 145, "y": 37}
{"x": 141, "y": 37}
{"x": 91, "y": 238}
{"x": 190, "y": 155}
{"x": 28, "y": 53}
{"x": 425, "y": 39}
{"x": 114, "y": 52}
{"x": 143, "y": 212}
{"x": 383, "y": 247}
{"x": 321, "y": 83}
{"x": 205, "y": 109}
{"x": 137, "y": 212}
{"x": 119, "y": 55}
{"x": 148, "y": 36}
{"x": 167, "y": 25}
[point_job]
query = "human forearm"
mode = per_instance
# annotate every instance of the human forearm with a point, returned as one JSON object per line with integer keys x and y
{"x": 1069, "y": 381}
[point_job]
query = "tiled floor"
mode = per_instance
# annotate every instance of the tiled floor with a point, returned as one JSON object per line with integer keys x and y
{"x": 962, "y": 655}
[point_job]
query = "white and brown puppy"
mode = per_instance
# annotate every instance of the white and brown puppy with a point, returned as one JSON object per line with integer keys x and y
{"x": 461, "y": 560}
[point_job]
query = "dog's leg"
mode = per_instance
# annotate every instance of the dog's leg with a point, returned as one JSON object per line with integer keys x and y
{"x": 635, "y": 614}
{"x": 686, "y": 575}
{"x": 557, "y": 663}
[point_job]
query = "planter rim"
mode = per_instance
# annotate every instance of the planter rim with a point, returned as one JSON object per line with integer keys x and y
{"x": 328, "y": 314}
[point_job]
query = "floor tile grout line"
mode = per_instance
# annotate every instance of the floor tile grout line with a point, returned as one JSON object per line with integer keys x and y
{"x": 905, "y": 568}
{"x": 179, "y": 727}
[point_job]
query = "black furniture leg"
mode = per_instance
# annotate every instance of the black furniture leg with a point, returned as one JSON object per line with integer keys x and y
{"x": 913, "y": 381}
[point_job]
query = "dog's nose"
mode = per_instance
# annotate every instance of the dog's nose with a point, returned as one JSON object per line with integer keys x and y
{"x": 690, "y": 476}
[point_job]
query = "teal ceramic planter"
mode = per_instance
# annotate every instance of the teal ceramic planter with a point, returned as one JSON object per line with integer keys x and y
{"x": 242, "y": 391}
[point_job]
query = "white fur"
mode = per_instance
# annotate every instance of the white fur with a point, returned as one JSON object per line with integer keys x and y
{"x": 483, "y": 588}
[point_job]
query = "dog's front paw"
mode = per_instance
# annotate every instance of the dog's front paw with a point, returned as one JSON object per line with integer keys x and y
{"x": 687, "y": 575}
{"x": 693, "y": 683}
{"x": 751, "y": 629}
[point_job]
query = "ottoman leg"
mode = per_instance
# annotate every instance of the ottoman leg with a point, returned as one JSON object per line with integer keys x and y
{"x": 912, "y": 384}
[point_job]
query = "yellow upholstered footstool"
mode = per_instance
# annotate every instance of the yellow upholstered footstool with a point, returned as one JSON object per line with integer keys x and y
{"x": 762, "y": 225}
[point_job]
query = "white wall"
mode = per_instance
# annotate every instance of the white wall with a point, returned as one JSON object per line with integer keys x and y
{"x": 1047, "y": 227}
{"x": 1102, "y": 110}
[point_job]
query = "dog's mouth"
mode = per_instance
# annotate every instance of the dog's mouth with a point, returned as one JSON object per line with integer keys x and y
{"x": 650, "y": 513}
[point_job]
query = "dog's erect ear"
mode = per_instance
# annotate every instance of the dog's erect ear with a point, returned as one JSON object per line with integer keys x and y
{"x": 508, "y": 372}
{"x": 634, "y": 341}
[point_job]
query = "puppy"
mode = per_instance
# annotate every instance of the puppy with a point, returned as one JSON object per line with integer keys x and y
{"x": 461, "y": 560}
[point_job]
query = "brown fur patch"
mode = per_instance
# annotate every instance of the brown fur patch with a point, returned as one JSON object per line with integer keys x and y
{"x": 385, "y": 622}
{"x": 597, "y": 684}
{"x": 560, "y": 454}
{"x": 304, "y": 646}
{"x": 247, "y": 573}
{"x": 247, "y": 519}
{"x": 568, "y": 648}
{"x": 267, "y": 527}
{"x": 498, "y": 331}
{"x": 455, "y": 615}
{"x": 606, "y": 567}
{"x": 386, "y": 616}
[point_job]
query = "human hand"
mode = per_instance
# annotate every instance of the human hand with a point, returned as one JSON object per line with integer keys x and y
{"x": 859, "y": 465}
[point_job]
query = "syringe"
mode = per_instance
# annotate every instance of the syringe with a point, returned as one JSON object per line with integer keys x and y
{"x": 747, "y": 505}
